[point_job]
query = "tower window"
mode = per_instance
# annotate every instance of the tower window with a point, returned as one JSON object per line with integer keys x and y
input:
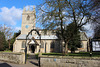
{"x": 28, "y": 17}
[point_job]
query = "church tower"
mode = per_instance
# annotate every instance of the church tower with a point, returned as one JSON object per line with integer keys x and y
{"x": 28, "y": 20}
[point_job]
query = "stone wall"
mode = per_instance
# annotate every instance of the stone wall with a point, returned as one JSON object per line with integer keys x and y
{"x": 18, "y": 58}
{"x": 62, "y": 61}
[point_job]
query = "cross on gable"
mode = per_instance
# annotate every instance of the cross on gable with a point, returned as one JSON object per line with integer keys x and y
{"x": 33, "y": 41}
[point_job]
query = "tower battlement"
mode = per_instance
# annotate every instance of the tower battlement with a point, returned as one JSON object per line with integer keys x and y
{"x": 29, "y": 9}
{"x": 28, "y": 19}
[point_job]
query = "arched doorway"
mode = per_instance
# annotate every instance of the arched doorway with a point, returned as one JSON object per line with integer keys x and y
{"x": 32, "y": 48}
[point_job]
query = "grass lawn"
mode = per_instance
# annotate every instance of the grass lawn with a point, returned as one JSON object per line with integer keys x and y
{"x": 82, "y": 54}
{"x": 6, "y": 51}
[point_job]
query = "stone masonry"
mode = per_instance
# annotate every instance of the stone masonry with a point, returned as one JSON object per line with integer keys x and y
{"x": 61, "y": 61}
{"x": 18, "y": 58}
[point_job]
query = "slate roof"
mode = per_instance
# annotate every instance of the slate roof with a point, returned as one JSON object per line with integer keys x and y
{"x": 23, "y": 36}
{"x": 83, "y": 36}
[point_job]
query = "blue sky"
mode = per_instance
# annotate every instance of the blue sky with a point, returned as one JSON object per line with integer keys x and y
{"x": 11, "y": 11}
{"x": 19, "y": 3}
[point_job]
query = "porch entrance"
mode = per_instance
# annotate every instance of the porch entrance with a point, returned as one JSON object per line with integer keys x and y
{"x": 32, "y": 48}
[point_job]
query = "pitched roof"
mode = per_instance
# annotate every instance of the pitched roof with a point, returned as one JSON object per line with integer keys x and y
{"x": 32, "y": 41}
{"x": 83, "y": 36}
{"x": 23, "y": 36}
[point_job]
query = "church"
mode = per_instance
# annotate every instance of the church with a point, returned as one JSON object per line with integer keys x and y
{"x": 49, "y": 40}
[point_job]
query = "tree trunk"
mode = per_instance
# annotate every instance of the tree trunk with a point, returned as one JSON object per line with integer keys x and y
{"x": 63, "y": 51}
{"x": 9, "y": 44}
{"x": 66, "y": 48}
{"x": 72, "y": 51}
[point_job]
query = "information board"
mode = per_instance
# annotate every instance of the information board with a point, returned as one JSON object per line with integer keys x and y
{"x": 96, "y": 45}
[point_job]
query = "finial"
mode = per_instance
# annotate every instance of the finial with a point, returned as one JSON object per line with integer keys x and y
{"x": 24, "y": 9}
{"x": 28, "y": 8}
{"x": 33, "y": 8}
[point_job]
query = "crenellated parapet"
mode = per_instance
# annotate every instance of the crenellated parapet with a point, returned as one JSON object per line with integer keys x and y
{"x": 29, "y": 9}
{"x": 28, "y": 19}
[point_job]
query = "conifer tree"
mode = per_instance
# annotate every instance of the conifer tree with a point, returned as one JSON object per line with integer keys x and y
{"x": 3, "y": 42}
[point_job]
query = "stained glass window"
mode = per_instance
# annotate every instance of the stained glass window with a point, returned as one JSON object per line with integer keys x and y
{"x": 23, "y": 44}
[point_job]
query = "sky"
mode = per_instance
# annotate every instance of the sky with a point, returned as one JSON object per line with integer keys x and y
{"x": 11, "y": 13}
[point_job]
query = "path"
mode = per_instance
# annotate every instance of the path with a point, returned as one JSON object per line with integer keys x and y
{"x": 31, "y": 62}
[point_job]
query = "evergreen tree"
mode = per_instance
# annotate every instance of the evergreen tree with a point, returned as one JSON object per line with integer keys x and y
{"x": 12, "y": 40}
{"x": 74, "y": 42}
{"x": 72, "y": 35}
{"x": 3, "y": 42}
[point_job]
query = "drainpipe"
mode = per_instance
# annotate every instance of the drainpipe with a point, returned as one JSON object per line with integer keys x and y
{"x": 39, "y": 50}
{"x": 91, "y": 47}
{"x": 26, "y": 50}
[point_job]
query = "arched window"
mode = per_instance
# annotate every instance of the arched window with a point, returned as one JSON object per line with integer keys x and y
{"x": 52, "y": 44}
{"x": 23, "y": 44}
{"x": 42, "y": 44}
{"x": 52, "y": 47}
{"x": 28, "y": 17}
{"x": 82, "y": 45}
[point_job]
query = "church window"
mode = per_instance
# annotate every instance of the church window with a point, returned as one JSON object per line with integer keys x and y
{"x": 82, "y": 45}
{"x": 23, "y": 44}
{"x": 52, "y": 46}
{"x": 28, "y": 17}
{"x": 42, "y": 44}
{"x": 35, "y": 32}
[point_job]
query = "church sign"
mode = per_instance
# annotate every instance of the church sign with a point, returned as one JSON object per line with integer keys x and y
{"x": 95, "y": 45}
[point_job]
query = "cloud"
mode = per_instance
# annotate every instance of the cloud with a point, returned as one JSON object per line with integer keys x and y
{"x": 30, "y": 6}
{"x": 89, "y": 29}
{"x": 10, "y": 16}
{"x": 17, "y": 28}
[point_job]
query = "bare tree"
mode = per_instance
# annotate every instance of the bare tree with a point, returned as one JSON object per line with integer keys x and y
{"x": 96, "y": 18}
{"x": 61, "y": 13}
{"x": 97, "y": 32}
{"x": 7, "y": 32}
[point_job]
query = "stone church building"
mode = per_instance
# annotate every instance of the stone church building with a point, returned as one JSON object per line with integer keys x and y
{"x": 49, "y": 41}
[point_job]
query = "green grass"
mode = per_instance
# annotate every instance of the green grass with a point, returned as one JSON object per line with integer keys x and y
{"x": 81, "y": 54}
{"x": 55, "y": 54}
{"x": 6, "y": 51}
{"x": 36, "y": 55}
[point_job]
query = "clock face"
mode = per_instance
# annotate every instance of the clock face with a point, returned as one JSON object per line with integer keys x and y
{"x": 27, "y": 26}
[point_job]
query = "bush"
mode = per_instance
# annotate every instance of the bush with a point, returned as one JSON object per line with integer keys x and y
{"x": 82, "y": 54}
